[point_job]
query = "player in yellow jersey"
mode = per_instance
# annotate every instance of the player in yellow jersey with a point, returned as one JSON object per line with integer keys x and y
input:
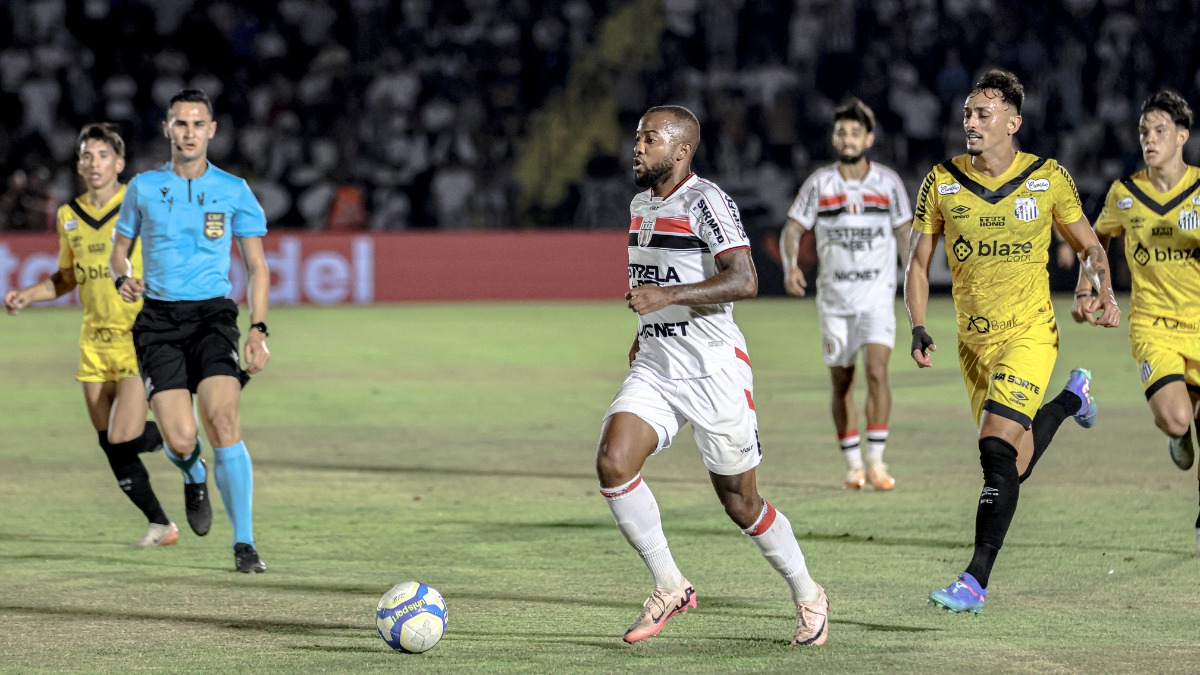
{"x": 1158, "y": 211}
{"x": 996, "y": 207}
{"x": 108, "y": 368}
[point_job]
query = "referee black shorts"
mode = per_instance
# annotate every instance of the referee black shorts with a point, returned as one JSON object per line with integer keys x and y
{"x": 180, "y": 343}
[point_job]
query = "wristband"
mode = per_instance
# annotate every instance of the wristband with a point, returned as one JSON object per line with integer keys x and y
{"x": 119, "y": 281}
{"x": 1090, "y": 294}
{"x": 920, "y": 340}
{"x": 261, "y": 327}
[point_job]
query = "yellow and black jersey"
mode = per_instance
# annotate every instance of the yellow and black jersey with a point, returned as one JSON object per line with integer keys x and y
{"x": 997, "y": 233}
{"x": 84, "y": 245}
{"x": 1162, "y": 247}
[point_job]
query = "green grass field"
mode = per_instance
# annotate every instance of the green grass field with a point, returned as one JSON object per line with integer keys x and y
{"x": 454, "y": 444}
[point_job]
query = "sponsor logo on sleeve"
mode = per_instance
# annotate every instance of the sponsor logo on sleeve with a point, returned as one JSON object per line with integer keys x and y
{"x": 1125, "y": 203}
{"x": 948, "y": 188}
{"x": 1037, "y": 185}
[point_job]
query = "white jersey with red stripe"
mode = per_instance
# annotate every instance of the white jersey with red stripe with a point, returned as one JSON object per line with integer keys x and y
{"x": 854, "y": 223}
{"x": 676, "y": 240}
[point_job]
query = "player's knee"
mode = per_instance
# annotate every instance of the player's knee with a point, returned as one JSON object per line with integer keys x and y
{"x": 181, "y": 443}
{"x": 226, "y": 428}
{"x": 615, "y": 463}
{"x": 743, "y": 510}
{"x": 998, "y": 458}
{"x": 1174, "y": 423}
{"x": 877, "y": 375}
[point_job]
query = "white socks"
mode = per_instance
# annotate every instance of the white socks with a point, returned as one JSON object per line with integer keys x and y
{"x": 772, "y": 534}
{"x": 634, "y": 508}
{"x": 877, "y": 435}
{"x": 851, "y": 451}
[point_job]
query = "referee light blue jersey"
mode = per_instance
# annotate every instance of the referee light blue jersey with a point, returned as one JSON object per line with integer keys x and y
{"x": 186, "y": 228}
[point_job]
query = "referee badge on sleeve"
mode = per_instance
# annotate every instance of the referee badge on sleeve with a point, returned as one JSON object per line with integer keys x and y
{"x": 214, "y": 225}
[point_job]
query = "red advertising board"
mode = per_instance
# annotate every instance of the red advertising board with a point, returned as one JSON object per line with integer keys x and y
{"x": 322, "y": 268}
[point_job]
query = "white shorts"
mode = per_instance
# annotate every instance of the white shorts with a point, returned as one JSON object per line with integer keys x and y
{"x": 719, "y": 406}
{"x": 843, "y": 336}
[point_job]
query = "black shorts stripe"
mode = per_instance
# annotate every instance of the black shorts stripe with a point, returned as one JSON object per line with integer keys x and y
{"x": 1007, "y": 413}
{"x": 1162, "y": 382}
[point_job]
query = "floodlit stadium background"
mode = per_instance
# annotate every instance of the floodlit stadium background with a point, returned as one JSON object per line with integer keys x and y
{"x": 376, "y": 116}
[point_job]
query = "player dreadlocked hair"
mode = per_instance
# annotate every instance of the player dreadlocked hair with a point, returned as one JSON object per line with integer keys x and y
{"x": 104, "y": 132}
{"x": 855, "y": 110}
{"x": 1011, "y": 91}
{"x": 1172, "y": 104}
{"x": 190, "y": 96}
{"x": 685, "y": 119}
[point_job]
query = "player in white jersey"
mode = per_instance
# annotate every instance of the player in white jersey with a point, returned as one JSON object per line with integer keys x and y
{"x": 689, "y": 260}
{"x": 859, "y": 212}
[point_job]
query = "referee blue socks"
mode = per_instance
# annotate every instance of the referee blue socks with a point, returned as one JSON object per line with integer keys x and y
{"x": 193, "y": 470}
{"x": 235, "y": 480}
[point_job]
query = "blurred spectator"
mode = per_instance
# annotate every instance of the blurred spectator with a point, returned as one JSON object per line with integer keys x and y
{"x": 382, "y": 110}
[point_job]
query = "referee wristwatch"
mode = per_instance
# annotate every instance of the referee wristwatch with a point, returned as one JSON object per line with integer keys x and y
{"x": 261, "y": 327}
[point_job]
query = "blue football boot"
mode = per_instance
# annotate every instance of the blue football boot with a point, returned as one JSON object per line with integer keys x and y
{"x": 1080, "y": 384}
{"x": 963, "y": 595}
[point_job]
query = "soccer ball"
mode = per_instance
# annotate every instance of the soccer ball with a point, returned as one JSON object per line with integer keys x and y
{"x": 411, "y": 617}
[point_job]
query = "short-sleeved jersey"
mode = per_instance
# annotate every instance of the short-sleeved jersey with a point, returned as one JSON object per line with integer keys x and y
{"x": 84, "y": 241}
{"x": 187, "y": 228}
{"x": 997, "y": 233}
{"x": 853, "y": 222}
{"x": 1162, "y": 247}
{"x": 676, "y": 240}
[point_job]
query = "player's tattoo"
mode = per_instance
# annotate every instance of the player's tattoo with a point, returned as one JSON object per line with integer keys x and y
{"x": 1095, "y": 265}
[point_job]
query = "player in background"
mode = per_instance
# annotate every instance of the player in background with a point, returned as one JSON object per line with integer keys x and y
{"x": 1158, "y": 211}
{"x": 112, "y": 388}
{"x": 996, "y": 207}
{"x": 859, "y": 212}
{"x": 187, "y": 213}
{"x": 689, "y": 260}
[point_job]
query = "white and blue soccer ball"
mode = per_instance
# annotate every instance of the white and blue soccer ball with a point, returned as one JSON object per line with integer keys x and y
{"x": 411, "y": 617}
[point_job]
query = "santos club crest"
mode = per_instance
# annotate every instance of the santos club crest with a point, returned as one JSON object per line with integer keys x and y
{"x": 214, "y": 225}
{"x": 1026, "y": 209}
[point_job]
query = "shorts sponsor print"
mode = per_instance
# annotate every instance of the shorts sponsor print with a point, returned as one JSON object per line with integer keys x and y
{"x": 720, "y": 407}
{"x": 1009, "y": 377}
{"x": 101, "y": 364}
{"x": 1164, "y": 355}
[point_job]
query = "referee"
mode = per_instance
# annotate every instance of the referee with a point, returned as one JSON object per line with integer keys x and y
{"x": 187, "y": 212}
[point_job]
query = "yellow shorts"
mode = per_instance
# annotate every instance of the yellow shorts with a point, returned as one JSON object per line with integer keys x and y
{"x": 1009, "y": 377}
{"x": 1164, "y": 356}
{"x": 106, "y": 355}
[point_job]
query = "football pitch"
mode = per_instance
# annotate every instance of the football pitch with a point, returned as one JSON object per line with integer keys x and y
{"x": 454, "y": 444}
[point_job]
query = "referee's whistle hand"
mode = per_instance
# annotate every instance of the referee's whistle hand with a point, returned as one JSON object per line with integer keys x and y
{"x": 257, "y": 353}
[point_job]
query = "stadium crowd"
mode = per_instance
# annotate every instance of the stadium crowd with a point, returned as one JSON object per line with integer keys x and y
{"x": 369, "y": 114}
